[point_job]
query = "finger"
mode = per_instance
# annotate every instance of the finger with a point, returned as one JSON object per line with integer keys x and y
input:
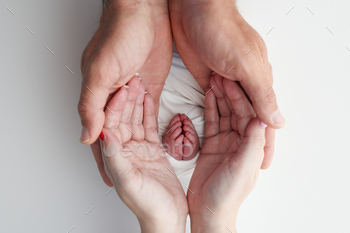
{"x": 113, "y": 157}
{"x": 243, "y": 109}
{"x": 251, "y": 153}
{"x": 234, "y": 124}
{"x": 260, "y": 91}
{"x": 96, "y": 151}
{"x": 125, "y": 119}
{"x": 218, "y": 80}
{"x": 93, "y": 96}
{"x": 224, "y": 110}
{"x": 137, "y": 116}
{"x": 269, "y": 147}
{"x": 211, "y": 116}
{"x": 149, "y": 120}
{"x": 114, "y": 109}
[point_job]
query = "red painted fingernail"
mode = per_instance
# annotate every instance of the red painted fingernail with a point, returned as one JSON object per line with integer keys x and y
{"x": 102, "y": 136}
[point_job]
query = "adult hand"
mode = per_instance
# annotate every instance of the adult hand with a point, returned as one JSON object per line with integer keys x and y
{"x": 132, "y": 37}
{"x": 213, "y": 36}
{"x": 229, "y": 164}
{"x": 137, "y": 165}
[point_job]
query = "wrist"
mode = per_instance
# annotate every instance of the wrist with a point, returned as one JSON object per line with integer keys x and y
{"x": 215, "y": 223}
{"x": 162, "y": 225}
{"x": 132, "y": 3}
{"x": 214, "y": 226}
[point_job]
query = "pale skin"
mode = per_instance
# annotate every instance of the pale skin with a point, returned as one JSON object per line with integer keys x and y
{"x": 136, "y": 36}
{"x": 229, "y": 162}
{"x": 141, "y": 175}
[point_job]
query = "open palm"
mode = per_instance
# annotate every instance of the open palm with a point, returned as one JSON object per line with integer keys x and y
{"x": 134, "y": 160}
{"x": 231, "y": 156}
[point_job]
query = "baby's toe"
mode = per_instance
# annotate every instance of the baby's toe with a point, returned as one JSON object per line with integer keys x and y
{"x": 190, "y": 137}
{"x": 175, "y": 119}
{"x": 177, "y": 147}
{"x": 173, "y": 127}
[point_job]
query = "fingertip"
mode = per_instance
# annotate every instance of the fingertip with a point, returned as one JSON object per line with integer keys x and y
{"x": 90, "y": 107}
{"x": 263, "y": 124}
{"x": 84, "y": 135}
{"x": 278, "y": 120}
{"x": 256, "y": 128}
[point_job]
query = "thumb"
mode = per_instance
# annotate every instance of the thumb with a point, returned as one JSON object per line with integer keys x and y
{"x": 251, "y": 152}
{"x": 263, "y": 97}
{"x": 91, "y": 105}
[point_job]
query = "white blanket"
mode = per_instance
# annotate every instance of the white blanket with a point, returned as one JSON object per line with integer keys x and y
{"x": 182, "y": 94}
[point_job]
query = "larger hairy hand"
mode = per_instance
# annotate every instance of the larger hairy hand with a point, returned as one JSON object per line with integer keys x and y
{"x": 131, "y": 38}
{"x": 211, "y": 35}
{"x": 137, "y": 165}
{"x": 232, "y": 154}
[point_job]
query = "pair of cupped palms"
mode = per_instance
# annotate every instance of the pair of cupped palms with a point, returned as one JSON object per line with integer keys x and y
{"x": 226, "y": 171}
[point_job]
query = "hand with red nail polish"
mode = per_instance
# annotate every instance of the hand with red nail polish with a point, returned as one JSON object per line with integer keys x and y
{"x": 136, "y": 164}
{"x": 230, "y": 159}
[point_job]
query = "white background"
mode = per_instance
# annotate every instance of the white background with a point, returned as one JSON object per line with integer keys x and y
{"x": 49, "y": 181}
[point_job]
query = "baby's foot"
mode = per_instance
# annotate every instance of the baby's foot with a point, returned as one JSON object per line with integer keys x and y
{"x": 181, "y": 139}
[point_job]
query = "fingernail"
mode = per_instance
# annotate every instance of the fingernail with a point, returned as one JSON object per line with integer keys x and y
{"x": 146, "y": 92}
{"x": 102, "y": 136}
{"x": 137, "y": 74}
{"x": 85, "y": 136}
{"x": 126, "y": 87}
{"x": 278, "y": 119}
{"x": 263, "y": 124}
{"x": 111, "y": 150}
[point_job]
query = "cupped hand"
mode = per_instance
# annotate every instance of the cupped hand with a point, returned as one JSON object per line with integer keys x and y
{"x": 131, "y": 38}
{"x": 213, "y": 36}
{"x": 137, "y": 165}
{"x": 228, "y": 166}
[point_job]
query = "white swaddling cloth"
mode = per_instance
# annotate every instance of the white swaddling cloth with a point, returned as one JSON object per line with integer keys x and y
{"x": 182, "y": 94}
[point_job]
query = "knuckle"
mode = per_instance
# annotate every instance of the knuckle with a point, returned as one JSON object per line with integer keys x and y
{"x": 268, "y": 94}
{"x": 259, "y": 141}
{"x": 82, "y": 108}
